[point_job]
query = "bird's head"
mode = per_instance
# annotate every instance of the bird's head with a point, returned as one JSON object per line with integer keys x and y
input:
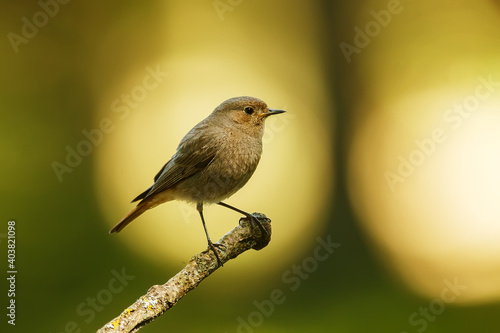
{"x": 246, "y": 113}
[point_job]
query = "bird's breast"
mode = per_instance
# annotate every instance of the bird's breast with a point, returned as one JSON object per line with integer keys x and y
{"x": 234, "y": 163}
{"x": 231, "y": 168}
{"x": 239, "y": 155}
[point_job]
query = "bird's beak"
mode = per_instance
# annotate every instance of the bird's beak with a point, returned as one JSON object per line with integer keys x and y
{"x": 270, "y": 112}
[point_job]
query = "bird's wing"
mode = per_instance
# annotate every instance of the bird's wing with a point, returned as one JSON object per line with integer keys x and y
{"x": 195, "y": 152}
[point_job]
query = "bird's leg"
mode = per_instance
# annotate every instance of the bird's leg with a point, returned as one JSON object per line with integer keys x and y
{"x": 252, "y": 218}
{"x": 211, "y": 245}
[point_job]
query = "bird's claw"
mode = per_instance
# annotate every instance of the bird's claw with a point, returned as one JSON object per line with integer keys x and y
{"x": 213, "y": 246}
{"x": 255, "y": 220}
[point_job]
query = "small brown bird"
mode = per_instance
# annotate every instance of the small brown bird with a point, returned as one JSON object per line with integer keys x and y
{"x": 213, "y": 161}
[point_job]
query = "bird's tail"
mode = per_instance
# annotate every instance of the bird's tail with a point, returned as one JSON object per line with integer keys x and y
{"x": 134, "y": 213}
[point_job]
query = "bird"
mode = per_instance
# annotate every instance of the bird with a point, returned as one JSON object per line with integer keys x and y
{"x": 214, "y": 160}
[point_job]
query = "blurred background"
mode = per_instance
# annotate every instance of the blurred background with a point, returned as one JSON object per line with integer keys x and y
{"x": 381, "y": 179}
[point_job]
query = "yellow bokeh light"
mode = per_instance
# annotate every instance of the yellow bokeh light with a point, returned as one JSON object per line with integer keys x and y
{"x": 424, "y": 161}
{"x": 441, "y": 219}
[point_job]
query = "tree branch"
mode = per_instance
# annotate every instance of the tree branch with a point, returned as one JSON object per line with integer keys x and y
{"x": 161, "y": 298}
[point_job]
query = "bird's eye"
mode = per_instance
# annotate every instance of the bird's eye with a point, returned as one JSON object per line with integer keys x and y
{"x": 248, "y": 110}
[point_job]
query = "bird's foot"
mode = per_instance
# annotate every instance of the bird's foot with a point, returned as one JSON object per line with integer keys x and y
{"x": 265, "y": 234}
{"x": 213, "y": 247}
{"x": 255, "y": 220}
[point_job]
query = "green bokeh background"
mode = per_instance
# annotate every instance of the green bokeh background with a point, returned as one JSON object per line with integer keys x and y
{"x": 64, "y": 253}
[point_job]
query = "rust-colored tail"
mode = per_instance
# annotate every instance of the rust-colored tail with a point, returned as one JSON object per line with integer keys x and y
{"x": 134, "y": 213}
